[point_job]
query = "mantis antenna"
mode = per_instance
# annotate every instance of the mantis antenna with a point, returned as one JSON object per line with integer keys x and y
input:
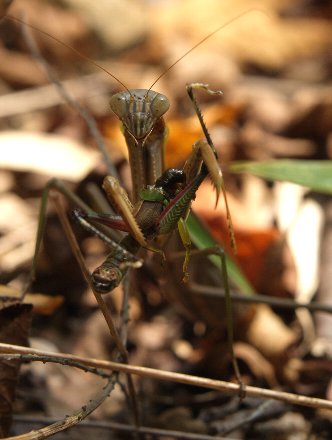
{"x": 77, "y": 52}
{"x": 237, "y": 17}
{"x": 86, "y": 58}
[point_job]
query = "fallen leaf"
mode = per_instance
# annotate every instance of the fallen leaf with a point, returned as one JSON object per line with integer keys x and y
{"x": 48, "y": 154}
{"x": 15, "y": 324}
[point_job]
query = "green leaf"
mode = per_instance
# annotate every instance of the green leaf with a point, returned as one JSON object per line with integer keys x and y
{"x": 202, "y": 239}
{"x": 315, "y": 174}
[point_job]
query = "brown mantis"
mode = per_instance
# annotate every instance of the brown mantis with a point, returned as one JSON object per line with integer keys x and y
{"x": 161, "y": 198}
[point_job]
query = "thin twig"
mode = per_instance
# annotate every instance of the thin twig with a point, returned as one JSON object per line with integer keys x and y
{"x": 124, "y": 312}
{"x": 103, "y": 306}
{"x": 121, "y": 427}
{"x": 60, "y": 360}
{"x": 217, "y": 292}
{"x": 219, "y": 385}
{"x": 70, "y": 420}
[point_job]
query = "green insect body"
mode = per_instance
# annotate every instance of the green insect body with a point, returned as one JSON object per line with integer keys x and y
{"x": 153, "y": 194}
{"x": 172, "y": 214}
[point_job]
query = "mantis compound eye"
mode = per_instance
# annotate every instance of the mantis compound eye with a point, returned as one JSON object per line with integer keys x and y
{"x": 138, "y": 110}
{"x": 119, "y": 104}
{"x": 159, "y": 105}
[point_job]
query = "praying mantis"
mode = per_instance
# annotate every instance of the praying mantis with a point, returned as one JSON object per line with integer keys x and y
{"x": 161, "y": 198}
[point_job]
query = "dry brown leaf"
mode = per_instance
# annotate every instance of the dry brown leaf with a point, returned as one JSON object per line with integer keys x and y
{"x": 119, "y": 23}
{"x": 42, "y": 304}
{"x": 184, "y": 132}
{"x": 64, "y": 24}
{"x": 261, "y": 367}
{"x": 4, "y": 6}
{"x": 17, "y": 67}
{"x": 260, "y": 37}
{"x": 53, "y": 155}
{"x": 259, "y": 144}
{"x": 20, "y": 68}
{"x": 268, "y": 333}
{"x": 17, "y": 226}
{"x": 15, "y": 213}
{"x": 15, "y": 324}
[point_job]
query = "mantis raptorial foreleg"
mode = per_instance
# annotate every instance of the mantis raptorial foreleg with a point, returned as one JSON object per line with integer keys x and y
{"x": 215, "y": 173}
{"x": 119, "y": 197}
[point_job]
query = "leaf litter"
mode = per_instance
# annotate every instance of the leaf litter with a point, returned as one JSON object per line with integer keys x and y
{"x": 275, "y": 105}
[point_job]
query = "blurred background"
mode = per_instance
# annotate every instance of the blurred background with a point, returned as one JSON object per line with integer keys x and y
{"x": 273, "y": 64}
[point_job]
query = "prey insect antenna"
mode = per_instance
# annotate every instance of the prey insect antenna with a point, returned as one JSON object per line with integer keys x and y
{"x": 68, "y": 46}
{"x": 237, "y": 17}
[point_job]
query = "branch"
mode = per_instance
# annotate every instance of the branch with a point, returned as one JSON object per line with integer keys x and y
{"x": 70, "y": 420}
{"x": 121, "y": 427}
{"x": 101, "y": 303}
{"x": 217, "y": 292}
{"x": 228, "y": 387}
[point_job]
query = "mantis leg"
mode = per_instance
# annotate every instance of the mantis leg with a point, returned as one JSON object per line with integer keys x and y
{"x": 215, "y": 173}
{"x": 129, "y": 259}
{"x": 118, "y": 196}
{"x": 201, "y": 151}
{"x": 186, "y": 241}
{"x": 219, "y": 251}
{"x": 60, "y": 187}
